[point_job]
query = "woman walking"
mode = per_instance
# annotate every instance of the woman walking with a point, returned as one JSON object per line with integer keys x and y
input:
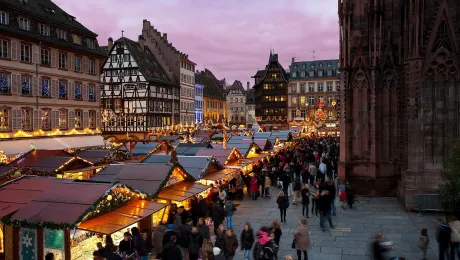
{"x": 229, "y": 244}
{"x": 302, "y": 241}
{"x": 283, "y": 204}
{"x": 247, "y": 240}
{"x": 254, "y": 187}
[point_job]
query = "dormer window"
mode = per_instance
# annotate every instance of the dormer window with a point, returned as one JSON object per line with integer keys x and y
{"x": 24, "y": 23}
{"x": 44, "y": 29}
{"x": 76, "y": 39}
{"x": 90, "y": 43}
{"x": 61, "y": 34}
{"x": 4, "y": 18}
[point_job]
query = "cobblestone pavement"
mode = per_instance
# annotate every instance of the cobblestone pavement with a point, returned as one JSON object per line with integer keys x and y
{"x": 354, "y": 228}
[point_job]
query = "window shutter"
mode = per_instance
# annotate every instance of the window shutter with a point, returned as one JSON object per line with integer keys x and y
{"x": 14, "y": 50}
{"x": 16, "y": 113}
{"x": 16, "y": 79}
{"x": 35, "y": 89}
{"x": 54, "y": 88}
{"x": 72, "y": 62}
{"x": 69, "y": 61}
{"x": 84, "y": 66}
{"x": 98, "y": 119}
{"x": 85, "y": 119}
{"x": 71, "y": 90}
{"x": 54, "y": 58}
{"x": 85, "y": 91}
{"x": 35, "y": 54}
{"x": 54, "y": 119}
{"x": 36, "y": 120}
{"x": 71, "y": 121}
{"x": 97, "y": 90}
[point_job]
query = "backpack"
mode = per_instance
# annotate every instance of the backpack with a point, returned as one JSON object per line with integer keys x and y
{"x": 264, "y": 252}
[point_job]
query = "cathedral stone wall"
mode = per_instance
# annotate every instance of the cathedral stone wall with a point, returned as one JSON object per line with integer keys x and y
{"x": 401, "y": 94}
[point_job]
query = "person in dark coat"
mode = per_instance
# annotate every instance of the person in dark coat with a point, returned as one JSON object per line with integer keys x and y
{"x": 203, "y": 228}
{"x": 172, "y": 251}
{"x": 324, "y": 206}
{"x": 443, "y": 236}
{"x": 350, "y": 190}
{"x": 305, "y": 194}
{"x": 202, "y": 208}
{"x": 217, "y": 214}
{"x": 283, "y": 204}
{"x": 169, "y": 233}
{"x": 194, "y": 210}
{"x": 195, "y": 242}
{"x": 229, "y": 244}
{"x": 126, "y": 245}
{"x": 247, "y": 240}
{"x": 184, "y": 239}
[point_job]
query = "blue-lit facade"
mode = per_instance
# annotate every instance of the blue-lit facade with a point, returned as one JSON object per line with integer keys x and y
{"x": 313, "y": 94}
{"x": 198, "y": 103}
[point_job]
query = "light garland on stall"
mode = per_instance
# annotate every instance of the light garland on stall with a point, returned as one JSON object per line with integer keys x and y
{"x": 54, "y": 133}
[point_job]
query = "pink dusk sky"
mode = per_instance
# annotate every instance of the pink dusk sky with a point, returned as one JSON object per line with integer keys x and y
{"x": 232, "y": 38}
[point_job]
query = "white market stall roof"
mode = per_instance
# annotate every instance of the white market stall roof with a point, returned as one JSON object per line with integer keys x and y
{"x": 13, "y": 147}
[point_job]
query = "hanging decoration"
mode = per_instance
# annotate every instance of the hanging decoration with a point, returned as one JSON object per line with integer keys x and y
{"x": 28, "y": 244}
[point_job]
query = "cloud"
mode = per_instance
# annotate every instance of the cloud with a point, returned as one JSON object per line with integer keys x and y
{"x": 232, "y": 38}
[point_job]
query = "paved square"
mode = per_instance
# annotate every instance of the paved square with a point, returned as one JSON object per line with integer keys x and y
{"x": 352, "y": 237}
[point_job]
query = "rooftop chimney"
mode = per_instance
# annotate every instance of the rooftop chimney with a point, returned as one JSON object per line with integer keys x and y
{"x": 141, "y": 41}
{"x": 247, "y": 85}
{"x": 165, "y": 35}
{"x": 110, "y": 44}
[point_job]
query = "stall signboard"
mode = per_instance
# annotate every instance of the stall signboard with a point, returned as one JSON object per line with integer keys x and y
{"x": 28, "y": 244}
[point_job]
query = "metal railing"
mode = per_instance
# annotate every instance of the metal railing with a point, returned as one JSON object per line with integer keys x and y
{"x": 427, "y": 202}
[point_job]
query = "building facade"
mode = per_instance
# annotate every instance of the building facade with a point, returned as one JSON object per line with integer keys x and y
{"x": 198, "y": 103}
{"x": 214, "y": 101}
{"x": 313, "y": 94}
{"x": 49, "y": 73}
{"x": 250, "y": 108}
{"x": 400, "y": 94}
{"x": 236, "y": 105}
{"x": 187, "y": 90}
{"x": 137, "y": 95}
{"x": 271, "y": 95}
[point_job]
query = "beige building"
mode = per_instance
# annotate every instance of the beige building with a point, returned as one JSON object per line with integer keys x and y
{"x": 313, "y": 93}
{"x": 236, "y": 104}
{"x": 187, "y": 90}
{"x": 49, "y": 77}
{"x": 250, "y": 108}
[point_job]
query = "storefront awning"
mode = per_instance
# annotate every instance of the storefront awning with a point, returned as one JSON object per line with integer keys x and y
{"x": 120, "y": 218}
{"x": 13, "y": 147}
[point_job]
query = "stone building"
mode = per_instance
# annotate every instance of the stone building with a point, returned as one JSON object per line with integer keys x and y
{"x": 236, "y": 104}
{"x": 250, "y": 108}
{"x": 187, "y": 90}
{"x": 400, "y": 94}
{"x": 49, "y": 76}
{"x": 271, "y": 95}
{"x": 198, "y": 103}
{"x": 313, "y": 94}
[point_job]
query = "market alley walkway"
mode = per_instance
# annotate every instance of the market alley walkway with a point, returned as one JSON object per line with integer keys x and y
{"x": 352, "y": 237}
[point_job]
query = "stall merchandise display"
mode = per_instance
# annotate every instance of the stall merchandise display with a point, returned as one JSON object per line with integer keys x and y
{"x": 84, "y": 250}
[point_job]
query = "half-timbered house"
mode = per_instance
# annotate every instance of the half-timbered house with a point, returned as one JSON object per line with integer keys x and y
{"x": 137, "y": 95}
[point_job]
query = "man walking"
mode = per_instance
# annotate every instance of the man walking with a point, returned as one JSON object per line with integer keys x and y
{"x": 324, "y": 206}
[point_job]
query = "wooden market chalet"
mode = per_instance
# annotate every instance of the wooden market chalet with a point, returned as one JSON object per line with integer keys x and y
{"x": 137, "y": 93}
{"x": 271, "y": 95}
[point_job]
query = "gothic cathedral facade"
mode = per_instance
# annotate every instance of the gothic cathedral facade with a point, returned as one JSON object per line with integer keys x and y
{"x": 401, "y": 93}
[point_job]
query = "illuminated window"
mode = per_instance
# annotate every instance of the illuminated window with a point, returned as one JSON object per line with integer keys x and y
{"x": 4, "y": 120}
{"x": 293, "y": 100}
{"x": 76, "y": 39}
{"x": 62, "y": 119}
{"x": 274, "y": 75}
{"x": 26, "y": 119}
{"x": 46, "y": 119}
{"x": 78, "y": 119}
{"x": 302, "y": 100}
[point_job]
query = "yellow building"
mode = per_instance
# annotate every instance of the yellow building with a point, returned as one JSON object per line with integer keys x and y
{"x": 214, "y": 101}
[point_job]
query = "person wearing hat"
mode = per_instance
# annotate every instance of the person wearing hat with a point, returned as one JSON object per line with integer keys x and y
{"x": 217, "y": 254}
{"x": 169, "y": 233}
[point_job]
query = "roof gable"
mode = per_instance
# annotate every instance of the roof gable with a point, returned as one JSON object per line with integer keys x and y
{"x": 272, "y": 63}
